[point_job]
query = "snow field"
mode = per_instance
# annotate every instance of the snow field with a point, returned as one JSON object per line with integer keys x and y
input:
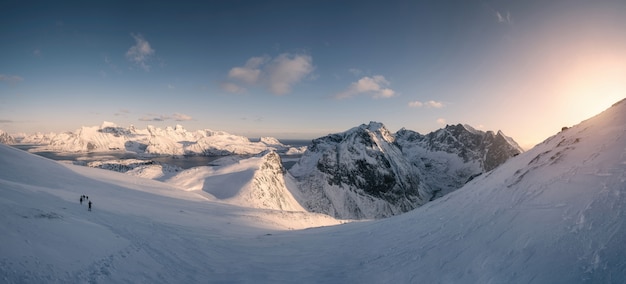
{"x": 554, "y": 214}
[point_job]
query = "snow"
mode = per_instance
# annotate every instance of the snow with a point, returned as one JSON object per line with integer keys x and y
{"x": 554, "y": 214}
{"x": 367, "y": 173}
{"x": 171, "y": 141}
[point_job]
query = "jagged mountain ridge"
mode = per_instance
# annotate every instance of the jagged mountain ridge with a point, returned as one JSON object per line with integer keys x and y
{"x": 367, "y": 172}
{"x": 152, "y": 141}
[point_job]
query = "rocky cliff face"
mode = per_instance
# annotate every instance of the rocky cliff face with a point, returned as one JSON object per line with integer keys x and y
{"x": 358, "y": 174}
{"x": 367, "y": 172}
{"x": 268, "y": 188}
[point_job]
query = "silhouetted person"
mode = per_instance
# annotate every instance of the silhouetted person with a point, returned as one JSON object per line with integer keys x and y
{"x": 81, "y": 200}
{"x": 89, "y": 205}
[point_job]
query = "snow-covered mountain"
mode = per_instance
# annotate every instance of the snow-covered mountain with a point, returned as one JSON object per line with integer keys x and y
{"x": 256, "y": 182}
{"x": 554, "y": 214}
{"x": 152, "y": 141}
{"x": 6, "y": 138}
{"x": 368, "y": 172}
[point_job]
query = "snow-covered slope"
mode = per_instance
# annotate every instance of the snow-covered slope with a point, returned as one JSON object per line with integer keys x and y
{"x": 139, "y": 230}
{"x": 367, "y": 172}
{"x": 555, "y": 214}
{"x": 152, "y": 141}
{"x": 256, "y": 182}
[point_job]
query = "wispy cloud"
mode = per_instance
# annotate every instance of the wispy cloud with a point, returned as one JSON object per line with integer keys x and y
{"x": 11, "y": 79}
{"x": 140, "y": 53}
{"x": 152, "y": 117}
{"x": 501, "y": 17}
{"x": 504, "y": 18}
{"x": 430, "y": 104}
{"x": 416, "y": 104}
{"x": 355, "y": 71}
{"x": 441, "y": 120}
{"x": 181, "y": 117}
{"x": 278, "y": 74}
{"x": 6, "y": 121}
{"x": 122, "y": 112}
{"x": 37, "y": 52}
{"x": 163, "y": 117}
{"x": 376, "y": 86}
{"x": 232, "y": 88}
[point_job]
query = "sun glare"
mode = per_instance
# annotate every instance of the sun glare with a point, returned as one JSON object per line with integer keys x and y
{"x": 592, "y": 86}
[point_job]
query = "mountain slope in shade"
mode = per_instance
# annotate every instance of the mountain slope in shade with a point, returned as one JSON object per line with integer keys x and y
{"x": 367, "y": 172}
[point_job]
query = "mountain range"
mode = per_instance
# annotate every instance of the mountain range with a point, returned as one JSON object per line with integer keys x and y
{"x": 366, "y": 172}
{"x": 553, "y": 214}
{"x": 171, "y": 141}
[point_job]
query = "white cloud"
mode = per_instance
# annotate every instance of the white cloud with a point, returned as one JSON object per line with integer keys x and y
{"x": 286, "y": 70}
{"x": 416, "y": 104}
{"x": 250, "y": 72}
{"x": 441, "y": 120}
{"x": 181, "y": 117}
{"x": 278, "y": 74}
{"x": 232, "y": 88}
{"x": 377, "y": 86}
{"x": 11, "y": 79}
{"x": 430, "y": 104}
{"x": 141, "y": 52}
{"x": 434, "y": 104}
{"x": 163, "y": 117}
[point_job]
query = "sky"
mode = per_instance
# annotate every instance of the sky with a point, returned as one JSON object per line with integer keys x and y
{"x": 304, "y": 69}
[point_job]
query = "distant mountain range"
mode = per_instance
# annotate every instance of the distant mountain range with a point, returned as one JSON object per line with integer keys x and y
{"x": 171, "y": 141}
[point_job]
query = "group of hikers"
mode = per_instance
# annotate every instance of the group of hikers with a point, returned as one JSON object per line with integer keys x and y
{"x": 85, "y": 197}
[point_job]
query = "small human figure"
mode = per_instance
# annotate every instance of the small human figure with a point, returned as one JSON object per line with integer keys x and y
{"x": 89, "y": 205}
{"x": 81, "y": 200}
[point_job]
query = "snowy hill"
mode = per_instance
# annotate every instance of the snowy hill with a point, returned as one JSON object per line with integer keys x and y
{"x": 554, "y": 214}
{"x": 257, "y": 182}
{"x": 152, "y": 141}
{"x": 367, "y": 172}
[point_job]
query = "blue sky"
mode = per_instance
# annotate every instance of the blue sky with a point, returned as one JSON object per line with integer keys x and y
{"x": 303, "y": 69}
